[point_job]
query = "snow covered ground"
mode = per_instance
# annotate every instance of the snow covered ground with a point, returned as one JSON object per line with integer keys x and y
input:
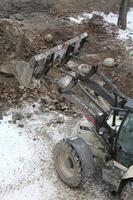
{"x": 26, "y": 162}
{"x": 109, "y": 18}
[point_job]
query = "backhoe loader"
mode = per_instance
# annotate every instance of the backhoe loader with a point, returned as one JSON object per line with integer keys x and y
{"x": 104, "y": 136}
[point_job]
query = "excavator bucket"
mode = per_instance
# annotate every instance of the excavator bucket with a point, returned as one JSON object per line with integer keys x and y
{"x": 40, "y": 64}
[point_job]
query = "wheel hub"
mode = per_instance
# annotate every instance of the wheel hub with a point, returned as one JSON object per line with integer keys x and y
{"x": 67, "y": 164}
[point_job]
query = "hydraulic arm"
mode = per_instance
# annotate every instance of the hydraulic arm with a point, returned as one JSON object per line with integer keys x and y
{"x": 58, "y": 59}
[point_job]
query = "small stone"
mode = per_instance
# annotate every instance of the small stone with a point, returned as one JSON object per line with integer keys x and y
{"x": 17, "y": 116}
{"x": 19, "y": 17}
{"x": 20, "y": 125}
{"x": 1, "y": 116}
{"x": 51, "y": 107}
{"x": 131, "y": 53}
{"x": 33, "y": 105}
{"x": 24, "y": 95}
{"x": 28, "y": 115}
{"x": 46, "y": 110}
{"x": 109, "y": 62}
{"x": 21, "y": 87}
{"x": 75, "y": 115}
{"x": 48, "y": 37}
{"x": 64, "y": 107}
{"x": 6, "y": 16}
{"x": 60, "y": 120}
{"x": 1, "y": 104}
{"x": 14, "y": 121}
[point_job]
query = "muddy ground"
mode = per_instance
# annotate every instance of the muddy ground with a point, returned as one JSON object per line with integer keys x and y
{"x": 24, "y": 25}
{"x": 57, "y": 7}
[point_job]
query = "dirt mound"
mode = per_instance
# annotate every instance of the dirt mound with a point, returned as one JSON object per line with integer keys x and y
{"x": 50, "y": 38}
{"x": 15, "y": 45}
{"x": 8, "y": 39}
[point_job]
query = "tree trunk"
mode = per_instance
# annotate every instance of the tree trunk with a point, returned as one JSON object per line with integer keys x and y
{"x": 122, "y": 20}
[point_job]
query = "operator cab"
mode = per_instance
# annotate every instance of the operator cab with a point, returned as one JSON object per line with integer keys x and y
{"x": 119, "y": 138}
{"x": 125, "y": 137}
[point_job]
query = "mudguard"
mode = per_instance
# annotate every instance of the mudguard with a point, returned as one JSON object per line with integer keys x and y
{"x": 84, "y": 152}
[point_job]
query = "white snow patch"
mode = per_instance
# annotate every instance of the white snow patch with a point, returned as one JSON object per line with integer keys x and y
{"x": 26, "y": 154}
{"x": 111, "y": 18}
{"x": 79, "y": 19}
{"x": 15, "y": 151}
{"x": 26, "y": 162}
{"x": 34, "y": 192}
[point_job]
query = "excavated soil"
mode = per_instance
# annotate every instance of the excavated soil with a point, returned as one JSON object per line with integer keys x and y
{"x": 18, "y": 44}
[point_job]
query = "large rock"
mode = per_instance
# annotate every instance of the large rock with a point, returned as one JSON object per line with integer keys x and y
{"x": 109, "y": 62}
{"x": 23, "y": 72}
{"x": 48, "y": 37}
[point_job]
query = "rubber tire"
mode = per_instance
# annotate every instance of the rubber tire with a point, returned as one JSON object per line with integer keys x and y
{"x": 127, "y": 192}
{"x": 74, "y": 181}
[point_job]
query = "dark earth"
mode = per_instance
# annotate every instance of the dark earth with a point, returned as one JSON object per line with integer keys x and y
{"x": 24, "y": 25}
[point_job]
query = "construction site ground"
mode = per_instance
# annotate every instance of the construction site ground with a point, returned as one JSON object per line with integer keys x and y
{"x": 29, "y": 27}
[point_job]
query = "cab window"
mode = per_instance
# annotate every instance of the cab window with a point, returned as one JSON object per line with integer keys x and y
{"x": 125, "y": 141}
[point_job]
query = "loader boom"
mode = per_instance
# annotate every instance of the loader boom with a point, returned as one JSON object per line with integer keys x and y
{"x": 58, "y": 59}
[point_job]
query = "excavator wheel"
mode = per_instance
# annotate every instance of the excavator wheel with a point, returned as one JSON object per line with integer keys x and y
{"x": 127, "y": 192}
{"x": 68, "y": 163}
